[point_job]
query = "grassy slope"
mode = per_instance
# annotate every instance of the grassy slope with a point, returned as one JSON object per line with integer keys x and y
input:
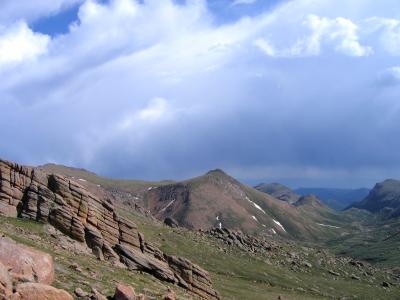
{"x": 238, "y": 275}
{"x": 123, "y": 184}
{"x": 370, "y": 243}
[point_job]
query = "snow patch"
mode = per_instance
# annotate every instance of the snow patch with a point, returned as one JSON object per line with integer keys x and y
{"x": 254, "y": 218}
{"x": 325, "y": 225}
{"x": 150, "y": 188}
{"x": 279, "y": 224}
{"x": 98, "y": 185}
{"x": 220, "y": 225}
{"x": 169, "y": 204}
{"x": 273, "y": 231}
{"x": 83, "y": 180}
{"x": 217, "y": 218}
{"x": 256, "y": 205}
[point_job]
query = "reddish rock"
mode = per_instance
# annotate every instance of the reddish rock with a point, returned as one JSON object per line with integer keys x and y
{"x": 124, "y": 292}
{"x": 5, "y": 283}
{"x": 38, "y": 291}
{"x": 25, "y": 263}
{"x": 170, "y": 295}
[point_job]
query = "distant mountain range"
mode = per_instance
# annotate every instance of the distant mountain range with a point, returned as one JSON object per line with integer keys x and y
{"x": 335, "y": 198}
{"x": 278, "y": 191}
{"x": 383, "y": 199}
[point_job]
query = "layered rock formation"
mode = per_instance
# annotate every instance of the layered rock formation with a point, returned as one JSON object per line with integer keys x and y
{"x": 50, "y": 198}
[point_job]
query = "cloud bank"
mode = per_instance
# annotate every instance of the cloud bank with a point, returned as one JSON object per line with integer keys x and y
{"x": 306, "y": 93}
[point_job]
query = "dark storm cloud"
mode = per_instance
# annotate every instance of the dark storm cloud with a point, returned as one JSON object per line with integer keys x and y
{"x": 158, "y": 90}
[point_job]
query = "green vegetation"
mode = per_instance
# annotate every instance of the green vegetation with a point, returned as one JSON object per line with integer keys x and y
{"x": 239, "y": 275}
{"x": 376, "y": 242}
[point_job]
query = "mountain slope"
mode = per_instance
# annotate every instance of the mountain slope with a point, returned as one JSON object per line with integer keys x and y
{"x": 218, "y": 200}
{"x": 338, "y": 199}
{"x": 384, "y": 199}
{"x": 278, "y": 191}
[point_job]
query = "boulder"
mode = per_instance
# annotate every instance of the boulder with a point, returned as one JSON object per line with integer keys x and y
{"x": 96, "y": 295}
{"x": 124, "y": 292}
{"x": 25, "y": 263}
{"x": 38, "y": 291}
{"x": 80, "y": 293}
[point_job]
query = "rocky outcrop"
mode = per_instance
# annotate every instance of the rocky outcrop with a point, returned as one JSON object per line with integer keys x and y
{"x": 50, "y": 198}
{"x": 243, "y": 241}
{"x": 26, "y": 264}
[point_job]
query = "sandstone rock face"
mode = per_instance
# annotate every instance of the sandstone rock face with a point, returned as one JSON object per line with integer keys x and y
{"x": 37, "y": 291}
{"x": 50, "y": 198}
{"x": 25, "y": 263}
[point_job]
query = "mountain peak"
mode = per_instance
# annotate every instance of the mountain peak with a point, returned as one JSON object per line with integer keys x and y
{"x": 217, "y": 172}
{"x": 309, "y": 200}
{"x": 384, "y": 196}
{"x": 278, "y": 191}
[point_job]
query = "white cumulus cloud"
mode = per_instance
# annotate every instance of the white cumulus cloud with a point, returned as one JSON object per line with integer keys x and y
{"x": 18, "y": 44}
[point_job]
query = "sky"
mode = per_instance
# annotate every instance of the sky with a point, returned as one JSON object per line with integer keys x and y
{"x": 303, "y": 92}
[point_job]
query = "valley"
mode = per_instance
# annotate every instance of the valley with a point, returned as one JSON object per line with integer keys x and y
{"x": 253, "y": 246}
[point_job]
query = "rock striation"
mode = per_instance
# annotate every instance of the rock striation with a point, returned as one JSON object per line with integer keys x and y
{"x": 31, "y": 193}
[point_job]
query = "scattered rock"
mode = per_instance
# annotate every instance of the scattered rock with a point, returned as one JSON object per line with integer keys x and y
{"x": 170, "y": 295}
{"x": 76, "y": 268}
{"x": 355, "y": 277}
{"x": 80, "y": 293}
{"x": 124, "y": 292}
{"x": 96, "y": 295}
{"x": 333, "y": 273}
